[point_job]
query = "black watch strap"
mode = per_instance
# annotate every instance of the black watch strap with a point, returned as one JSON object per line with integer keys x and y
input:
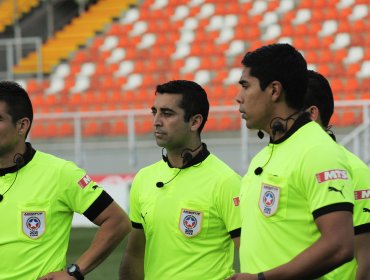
{"x": 74, "y": 270}
{"x": 261, "y": 276}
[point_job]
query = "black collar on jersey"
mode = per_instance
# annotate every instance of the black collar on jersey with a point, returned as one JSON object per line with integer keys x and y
{"x": 26, "y": 158}
{"x": 303, "y": 119}
{"x": 198, "y": 158}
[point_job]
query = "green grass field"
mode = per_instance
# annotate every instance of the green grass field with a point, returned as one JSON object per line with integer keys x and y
{"x": 108, "y": 270}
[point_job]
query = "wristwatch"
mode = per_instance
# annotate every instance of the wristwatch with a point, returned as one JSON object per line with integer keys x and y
{"x": 74, "y": 270}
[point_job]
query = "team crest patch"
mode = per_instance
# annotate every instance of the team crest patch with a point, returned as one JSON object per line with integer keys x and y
{"x": 33, "y": 224}
{"x": 190, "y": 222}
{"x": 269, "y": 200}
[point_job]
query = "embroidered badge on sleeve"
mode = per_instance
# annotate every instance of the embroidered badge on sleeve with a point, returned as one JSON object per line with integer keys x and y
{"x": 85, "y": 180}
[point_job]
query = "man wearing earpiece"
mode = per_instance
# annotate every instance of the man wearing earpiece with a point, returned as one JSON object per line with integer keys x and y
{"x": 39, "y": 194}
{"x": 184, "y": 208}
{"x": 319, "y": 102}
{"x": 296, "y": 198}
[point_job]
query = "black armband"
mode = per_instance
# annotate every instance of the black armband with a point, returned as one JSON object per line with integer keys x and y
{"x": 235, "y": 233}
{"x": 98, "y": 206}
{"x": 137, "y": 225}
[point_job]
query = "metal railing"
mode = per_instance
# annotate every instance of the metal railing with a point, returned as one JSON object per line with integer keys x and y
{"x": 239, "y": 145}
{"x": 13, "y": 50}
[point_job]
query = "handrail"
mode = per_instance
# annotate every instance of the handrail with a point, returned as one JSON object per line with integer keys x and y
{"x": 245, "y": 138}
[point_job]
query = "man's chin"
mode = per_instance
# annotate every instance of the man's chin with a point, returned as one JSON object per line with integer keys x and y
{"x": 159, "y": 143}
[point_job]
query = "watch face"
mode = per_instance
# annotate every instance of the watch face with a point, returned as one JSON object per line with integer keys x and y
{"x": 74, "y": 271}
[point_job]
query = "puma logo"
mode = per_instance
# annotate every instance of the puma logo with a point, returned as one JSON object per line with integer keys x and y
{"x": 143, "y": 216}
{"x": 336, "y": 190}
{"x": 366, "y": 210}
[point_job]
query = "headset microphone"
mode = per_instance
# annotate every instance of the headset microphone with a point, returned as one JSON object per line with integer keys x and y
{"x": 260, "y": 134}
{"x": 19, "y": 162}
{"x": 276, "y": 126}
{"x": 186, "y": 158}
{"x": 258, "y": 170}
{"x": 161, "y": 184}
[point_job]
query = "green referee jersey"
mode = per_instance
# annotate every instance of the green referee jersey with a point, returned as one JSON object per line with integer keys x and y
{"x": 304, "y": 176}
{"x": 187, "y": 222}
{"x": 361, "y": 213}
{"x": 37, "y": 213}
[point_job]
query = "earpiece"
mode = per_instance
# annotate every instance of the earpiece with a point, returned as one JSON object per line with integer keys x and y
{"x": 19, "y": 160}
{"x": 186, "y": 158}
{"x": 277, "y": 127}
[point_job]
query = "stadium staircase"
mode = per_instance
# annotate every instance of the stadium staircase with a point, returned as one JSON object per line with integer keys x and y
{"x": 204, "y": 41}
{"x": 9, "y": 8}
{"x": 73, "y": 36}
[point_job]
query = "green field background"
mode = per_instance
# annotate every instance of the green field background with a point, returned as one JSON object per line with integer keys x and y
{"x": 108, "y": 270}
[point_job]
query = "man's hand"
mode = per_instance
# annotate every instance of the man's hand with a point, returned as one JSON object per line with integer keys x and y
{"x": 60, "y": 275}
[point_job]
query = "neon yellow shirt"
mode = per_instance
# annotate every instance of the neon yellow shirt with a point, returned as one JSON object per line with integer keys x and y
{"x": 361, "y": 214}
{"x": 279, "y": 206}
{"x": 187, "y": 221}
{"x": 37, "y": 213}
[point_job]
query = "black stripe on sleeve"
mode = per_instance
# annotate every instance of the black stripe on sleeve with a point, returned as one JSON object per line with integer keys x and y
{"x": 136, "y": 225}
{"x": 344, "y": 206}
{"x": 98, "y": 206}
{"x": 235, "y": 233}
{"x": 362, "y": 229}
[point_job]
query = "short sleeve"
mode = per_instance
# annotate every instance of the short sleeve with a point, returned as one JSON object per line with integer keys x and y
{"x": 80, "y": 190}
{"x": 134, "y": 212}
{"x": 361, "y": 181}
{"x": 227, "y": 202}
{"x": 326, "y": 180}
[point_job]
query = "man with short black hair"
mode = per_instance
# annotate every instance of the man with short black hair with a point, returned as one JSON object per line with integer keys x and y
{"x": 319, "y": 102}
{"x": 39, "y": 194}
{"x": 184, "y": 208}
{"x": 296, "y": 199}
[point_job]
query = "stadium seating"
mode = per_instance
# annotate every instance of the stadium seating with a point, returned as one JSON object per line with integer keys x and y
{"x": 158, "y": 40}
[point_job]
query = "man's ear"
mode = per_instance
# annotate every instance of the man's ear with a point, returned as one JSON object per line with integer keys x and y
{"x": 196, "y": 121}
{"x": 23, "y": 125}
{"x": 314, "y": 113}
{"x": 276, "y": 90}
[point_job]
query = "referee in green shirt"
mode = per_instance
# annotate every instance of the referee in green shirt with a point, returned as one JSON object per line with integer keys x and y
{"x": 296, "y": 198}
{"x": 319, "y": 102}
{"x": 184, "y": 208}
{"x": 39, "y": 194}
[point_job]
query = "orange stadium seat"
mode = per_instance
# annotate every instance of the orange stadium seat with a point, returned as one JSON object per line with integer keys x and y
{"x": 132, "y": 54}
